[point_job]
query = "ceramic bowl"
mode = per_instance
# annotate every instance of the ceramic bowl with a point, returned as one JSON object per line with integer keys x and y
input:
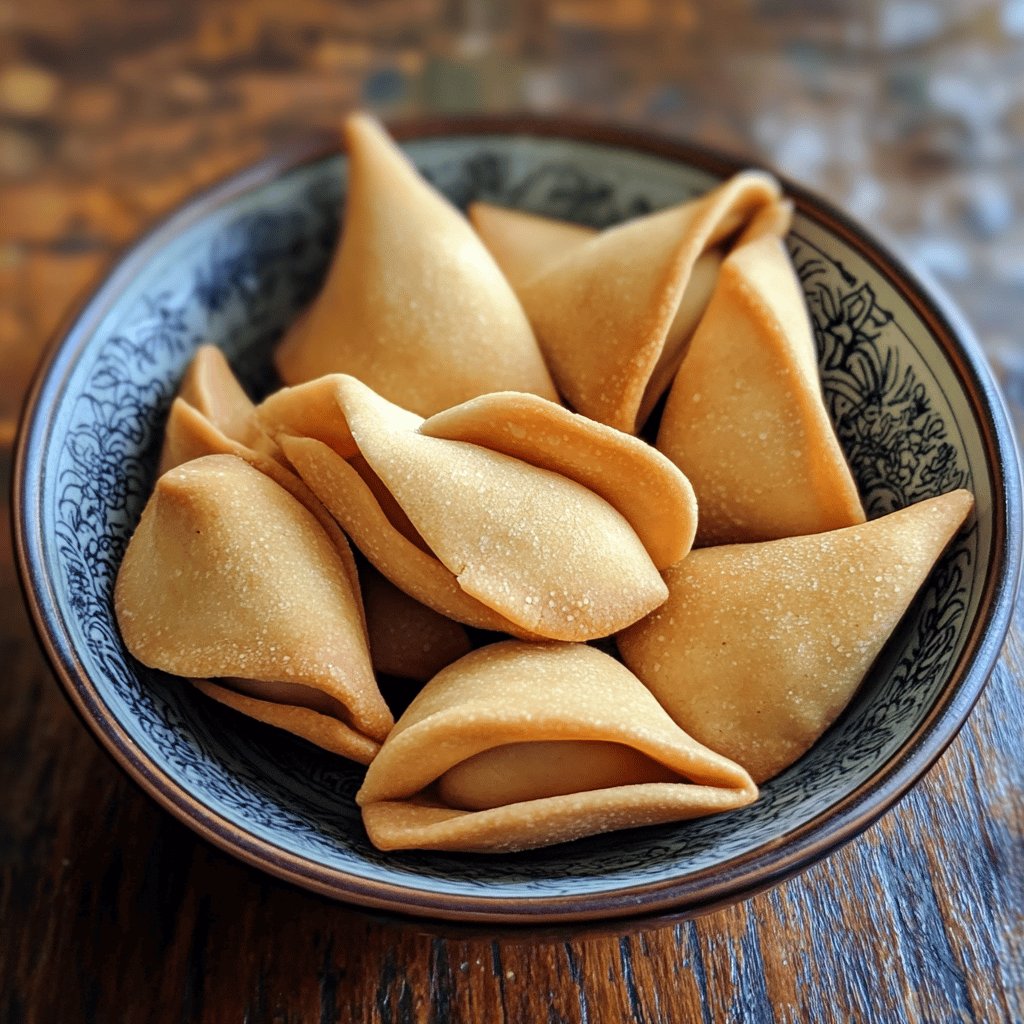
{"x": 908, "y": 389}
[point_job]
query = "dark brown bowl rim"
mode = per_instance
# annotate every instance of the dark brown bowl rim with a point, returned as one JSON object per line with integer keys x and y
{"x": 650, "y": 903}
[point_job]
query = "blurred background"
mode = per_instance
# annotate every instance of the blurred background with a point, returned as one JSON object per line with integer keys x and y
{"x": 909, "y": 113}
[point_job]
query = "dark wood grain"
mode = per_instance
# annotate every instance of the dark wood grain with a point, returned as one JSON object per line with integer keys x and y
{"x": 109, "y": 909}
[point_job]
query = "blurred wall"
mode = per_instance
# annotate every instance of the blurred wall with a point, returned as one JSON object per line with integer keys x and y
{"x": 908, "y": 113}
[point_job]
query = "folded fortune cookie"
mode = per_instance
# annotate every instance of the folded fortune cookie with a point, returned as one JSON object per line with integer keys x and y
{"x": 745, "y": 419}
{"x": 230, "y": 581}
{"x": 760, "y": 646}
{"x": 613, "y": 312}
{"x": 518, "y": 746}
{"x": 413, "y": 303}
{"x": 507, "y": 513}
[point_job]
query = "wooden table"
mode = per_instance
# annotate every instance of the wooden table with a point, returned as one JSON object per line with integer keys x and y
{"x": 109, "y": 909}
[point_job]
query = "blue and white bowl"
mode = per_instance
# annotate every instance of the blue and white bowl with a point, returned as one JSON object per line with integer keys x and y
{"x": 909, "y": 391}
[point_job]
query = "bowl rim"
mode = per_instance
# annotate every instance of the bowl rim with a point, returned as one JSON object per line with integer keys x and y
{"x": 651, "y": 902}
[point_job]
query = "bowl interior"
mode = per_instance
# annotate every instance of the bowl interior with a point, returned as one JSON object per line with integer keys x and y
{"x": 235, "y": 271}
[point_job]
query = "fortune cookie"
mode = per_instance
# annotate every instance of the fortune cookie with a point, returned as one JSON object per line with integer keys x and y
{"x": 413, "y": 304}
{"x": 760, "y": 646}
{"x": 408, "y": 639}
{"x": 230, "y": 581}
{"x": 613, "y": 312}
{"x": 519, "y": 745}
{"x": 507, "y": 513}
{"x": 745, "y": 419}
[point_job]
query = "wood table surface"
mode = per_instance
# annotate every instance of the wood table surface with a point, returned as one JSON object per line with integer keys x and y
{"x": 112, "y": 911}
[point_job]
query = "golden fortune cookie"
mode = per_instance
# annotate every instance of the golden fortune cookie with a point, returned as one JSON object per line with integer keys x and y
{"x": 745, "y": 419}
{"x": 520, "y": 745}
{"x": 613, "y": 311}
{"x": 228, "y": 580}
{"x": 760, "y": 646}
{"x": 413, "y": 304}
{"x": 506, "y": 513}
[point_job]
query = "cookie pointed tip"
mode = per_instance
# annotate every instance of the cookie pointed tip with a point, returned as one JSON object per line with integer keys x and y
{"x": 954, "y": 508}
{"x": 360, "y": 124}
{"x": 368, "y": 141}
{"x": 960, "y": 501}
{"x": 945, "y": 512}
